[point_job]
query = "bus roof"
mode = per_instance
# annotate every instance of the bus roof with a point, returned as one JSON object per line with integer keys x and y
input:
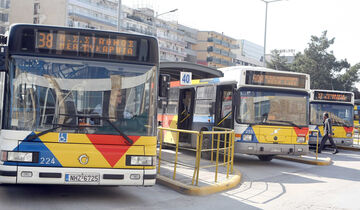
{"x": 198, "y": 71}
{"x": 251, "y": 76}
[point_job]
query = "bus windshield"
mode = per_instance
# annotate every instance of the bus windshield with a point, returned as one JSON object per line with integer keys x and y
{"x": 340, "y": 114}
{"x": 270, "y": 107}
{"x": 81, "y": 96}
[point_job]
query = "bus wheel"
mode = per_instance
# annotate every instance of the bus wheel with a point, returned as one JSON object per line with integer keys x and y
{"x": 206, "y": 144}
{"x": 265, "y": 157}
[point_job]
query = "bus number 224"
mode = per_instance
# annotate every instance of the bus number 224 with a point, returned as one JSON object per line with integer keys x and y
{"x": 47, "y": 161}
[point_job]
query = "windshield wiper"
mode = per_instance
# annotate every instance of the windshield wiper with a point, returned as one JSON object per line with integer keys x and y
{"x": 33, "y": 136}
{"x": 107, "y": 119}
{"x": 341, "y": 123}
{"x": 119, "y": 131}
{"x": 289, "y": 122}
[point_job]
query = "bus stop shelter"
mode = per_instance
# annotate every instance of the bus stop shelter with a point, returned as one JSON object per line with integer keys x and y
{"x": 198, "y": 71}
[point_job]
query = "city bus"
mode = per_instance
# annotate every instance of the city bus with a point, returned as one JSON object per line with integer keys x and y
{"x": 204, "y": 104}
{"x": 78, "y": 106}
{"x": 340, "y": 106}
{"x": 268, "y": 110}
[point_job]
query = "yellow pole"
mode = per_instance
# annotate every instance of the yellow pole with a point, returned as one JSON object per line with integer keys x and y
{"x": 228, "y": 157}
{"x": 197, "y": 153}
{"x": 160, "y": 148}
{"x": 225, "y": 140}
{"x": 212, "y": 145}
{"x": 317, "y": 144}
{"x": 232, "y": 151}
{"x": 176, "y": 154}
{"x": 199, "y": 158}
{"x": 217, "y": 157}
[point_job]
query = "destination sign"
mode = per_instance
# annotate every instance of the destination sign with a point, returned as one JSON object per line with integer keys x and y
{"x": 83, "y": 44}
{"x": 275, "y": 79}
{"x": 62, "y": 42}
{"x": 332, "y": 96}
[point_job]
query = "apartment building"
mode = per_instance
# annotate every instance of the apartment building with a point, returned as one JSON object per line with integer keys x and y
{"x": 214, "y": 49}
{"x": 4, "y": 15}
{"x": 102, "y": 14}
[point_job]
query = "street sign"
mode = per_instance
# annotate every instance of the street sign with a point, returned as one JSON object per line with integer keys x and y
{"x": 185, "y": 78}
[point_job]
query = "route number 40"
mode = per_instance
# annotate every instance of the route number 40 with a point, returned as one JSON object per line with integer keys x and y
{"x": 185, "y": 78}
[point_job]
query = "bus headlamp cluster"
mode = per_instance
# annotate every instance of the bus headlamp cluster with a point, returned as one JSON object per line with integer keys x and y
{"x": 314, "y": 133}
{"x": 27, "y": 157}
{"x": 301, "y": 139}
{"x": 133, "y": 160}
{"x": 348, "y": 134}
{"x": 247, "y": 137}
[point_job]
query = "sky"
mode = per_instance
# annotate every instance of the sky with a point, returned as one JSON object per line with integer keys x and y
{"x": 290, "y": 23}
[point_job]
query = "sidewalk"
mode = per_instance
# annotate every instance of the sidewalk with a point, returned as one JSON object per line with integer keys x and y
{"x": 185, "y": 171}
{"x": 307, "y": 159}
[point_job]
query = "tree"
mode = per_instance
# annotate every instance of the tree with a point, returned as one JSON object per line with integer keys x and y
{"x": 278, "y": 62}
{"x": 325, "y": 71}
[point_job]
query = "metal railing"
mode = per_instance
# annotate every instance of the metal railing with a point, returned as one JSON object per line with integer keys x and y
{"x": 222, "y": 137}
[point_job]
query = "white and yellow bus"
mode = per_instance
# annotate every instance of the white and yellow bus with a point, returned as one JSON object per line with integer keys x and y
{"x": 78, "y": 106}
{"x": 271, "y": 111}
{"x": 340, "y": 106}
{"x": 268, "y": 110}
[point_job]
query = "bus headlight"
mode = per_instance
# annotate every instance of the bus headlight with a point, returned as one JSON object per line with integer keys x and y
{"x": 314, "y": 133}
{"x": 247, "y": 137}
{"x": 348, "y": 134}
{"x": 17, "y": 156}
{"x": 132, "y": 160}
{"x": 300, "y": 139}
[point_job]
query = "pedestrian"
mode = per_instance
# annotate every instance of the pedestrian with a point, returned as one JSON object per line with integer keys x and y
{"x": 327, "y": 134}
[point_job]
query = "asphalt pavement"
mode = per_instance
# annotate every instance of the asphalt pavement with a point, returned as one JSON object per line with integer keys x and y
{"x": 277, "y": 185}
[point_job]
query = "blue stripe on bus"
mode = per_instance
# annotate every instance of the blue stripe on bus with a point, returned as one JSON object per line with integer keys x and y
{"x": 46, "y": 157}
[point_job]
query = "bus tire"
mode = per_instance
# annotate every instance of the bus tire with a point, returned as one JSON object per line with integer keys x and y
{"x": 265, "y": 157}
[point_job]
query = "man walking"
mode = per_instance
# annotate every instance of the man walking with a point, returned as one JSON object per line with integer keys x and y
{"x": 327, "y": 134}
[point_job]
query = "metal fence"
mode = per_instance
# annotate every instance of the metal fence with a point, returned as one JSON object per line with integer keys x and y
{"x": 222, "y": 143}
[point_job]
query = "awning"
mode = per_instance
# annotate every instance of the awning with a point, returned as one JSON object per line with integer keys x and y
{"x": 198, "y": 71}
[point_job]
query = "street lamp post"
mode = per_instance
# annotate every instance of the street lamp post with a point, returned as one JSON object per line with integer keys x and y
{"x": 157, "y": 15}
{"x": 266, "y": 8}
{"x": 119, "y": 10}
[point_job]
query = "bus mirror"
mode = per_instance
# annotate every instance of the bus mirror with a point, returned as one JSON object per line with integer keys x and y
{"x": 2, "y": 59}
{"x": 236, "y": 98}
{"x": 164, "y": 85}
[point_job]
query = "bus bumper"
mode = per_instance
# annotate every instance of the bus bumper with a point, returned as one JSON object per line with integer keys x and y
{"x": 271, "y": 149}
{"x": 47, "y": 175}
{"x": 337, "y": 141}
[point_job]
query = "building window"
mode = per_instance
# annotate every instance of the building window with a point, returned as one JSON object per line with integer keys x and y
{"x": 36, "y": 20}
{"x": 36, "y": 8}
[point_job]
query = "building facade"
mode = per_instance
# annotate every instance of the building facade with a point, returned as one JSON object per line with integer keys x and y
{"x": 214, "y": 49}
{"x": 190, "y": 38}
{"x": 248, "y": 54}
{"x": 4, "y": 15}
{"x": 103, "y": 15}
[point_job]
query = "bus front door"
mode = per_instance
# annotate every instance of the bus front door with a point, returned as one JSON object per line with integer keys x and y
{"x": 186, "y": 112}
{"x": 224, "y": 115}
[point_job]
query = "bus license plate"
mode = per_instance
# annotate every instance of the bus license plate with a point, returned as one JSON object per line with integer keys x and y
{"x": 82, "y": 178}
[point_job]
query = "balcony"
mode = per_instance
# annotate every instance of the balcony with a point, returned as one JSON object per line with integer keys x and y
{"x": 92, "y": 18}
{"x": 95, "y": 7}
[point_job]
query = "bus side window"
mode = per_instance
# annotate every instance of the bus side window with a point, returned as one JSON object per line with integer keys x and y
{"x": 172, "y": 105}
{"x": 205, "y": 104}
